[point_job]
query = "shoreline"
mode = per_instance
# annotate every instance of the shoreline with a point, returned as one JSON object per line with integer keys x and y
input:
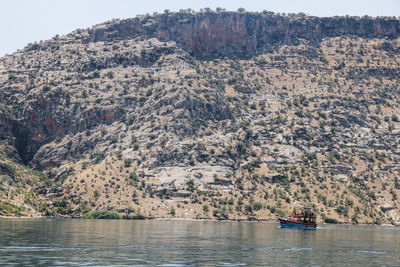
{"x": 269, "y": 221}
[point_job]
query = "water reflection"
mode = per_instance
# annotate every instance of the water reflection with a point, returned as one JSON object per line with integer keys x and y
{"x": 188, "y": 243}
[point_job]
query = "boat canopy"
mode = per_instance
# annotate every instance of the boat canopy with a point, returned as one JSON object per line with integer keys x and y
{"x": 305, "y": 214}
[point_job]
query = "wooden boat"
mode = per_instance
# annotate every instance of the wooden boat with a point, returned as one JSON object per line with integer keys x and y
{"x": 301, "y": 217}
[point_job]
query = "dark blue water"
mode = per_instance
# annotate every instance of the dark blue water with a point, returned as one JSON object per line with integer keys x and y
{"x": 46, "y": 242}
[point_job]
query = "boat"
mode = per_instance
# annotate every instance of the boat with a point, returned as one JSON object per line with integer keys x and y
{"x": 301, "y": 217}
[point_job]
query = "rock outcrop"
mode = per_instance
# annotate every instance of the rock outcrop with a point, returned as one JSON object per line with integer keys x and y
{"x": 213, "y": 34}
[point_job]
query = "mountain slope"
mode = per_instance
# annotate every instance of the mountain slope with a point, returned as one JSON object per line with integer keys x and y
{"x": 211, "y": 115}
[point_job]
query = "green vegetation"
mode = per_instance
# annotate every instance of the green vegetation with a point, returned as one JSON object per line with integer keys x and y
{"x": 101, "y": 214}
{"x": 107, "y": 214}
{"x": 330, "y": 220}
{"x": 6, "y": 208}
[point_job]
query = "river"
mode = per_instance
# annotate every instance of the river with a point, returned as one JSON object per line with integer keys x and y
{"x": 73, "y": 242}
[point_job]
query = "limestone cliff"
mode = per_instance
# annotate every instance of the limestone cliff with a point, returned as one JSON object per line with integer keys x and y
{"x": 241, "y": 34}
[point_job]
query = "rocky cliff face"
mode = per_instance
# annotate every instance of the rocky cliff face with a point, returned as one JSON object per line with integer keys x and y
{"x": 241, "y": 34}
{"x": 208, "y": 115}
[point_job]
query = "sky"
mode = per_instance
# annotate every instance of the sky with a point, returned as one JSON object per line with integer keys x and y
{"x": 25, "y": 21}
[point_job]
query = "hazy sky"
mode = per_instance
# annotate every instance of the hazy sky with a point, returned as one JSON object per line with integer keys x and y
{"x": 24, "y": 21}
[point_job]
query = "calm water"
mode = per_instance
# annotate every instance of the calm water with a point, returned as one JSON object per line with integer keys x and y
{"x": 32, "y": 242}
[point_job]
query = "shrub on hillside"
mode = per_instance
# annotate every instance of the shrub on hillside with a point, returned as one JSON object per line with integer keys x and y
{"x": 330, "y": 220}
{"x": 101, "y": 214}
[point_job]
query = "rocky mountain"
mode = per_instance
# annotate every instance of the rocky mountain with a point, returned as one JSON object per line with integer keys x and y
{"x": 224, "y": 115}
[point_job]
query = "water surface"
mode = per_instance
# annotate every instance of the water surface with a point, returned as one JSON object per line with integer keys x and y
{"x": 51, "y": 242}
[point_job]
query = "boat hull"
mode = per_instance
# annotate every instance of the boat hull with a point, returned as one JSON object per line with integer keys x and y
{"x": 289, "y": 224}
